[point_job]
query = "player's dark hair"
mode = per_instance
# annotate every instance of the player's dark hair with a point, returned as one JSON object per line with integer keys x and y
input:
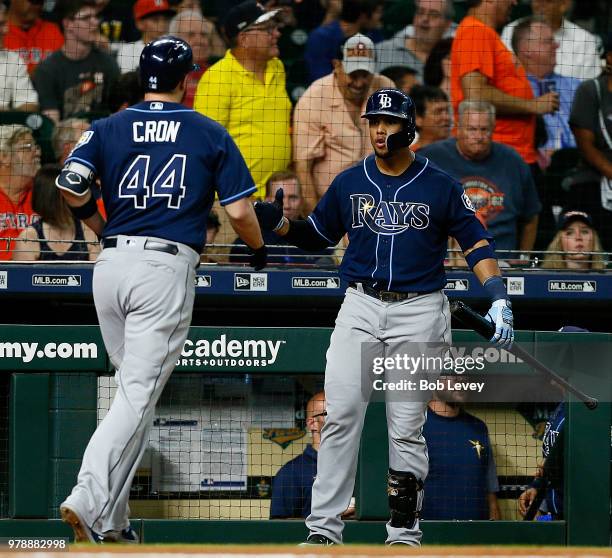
{"x": 433, "y": 71}
{"x": 279, "y": 176}
{"x": 352, "y": 10}
{"x": 126, "y": 90}
{"x": 522, "y": 29}
{"x": 47, "y": 200}
{"x": 421, "y": 94}
{"x": 472, "y": 3}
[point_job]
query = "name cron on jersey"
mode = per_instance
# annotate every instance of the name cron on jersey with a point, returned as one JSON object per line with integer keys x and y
{"x": 155, "y": 131}
{"x": 388, "y": 217}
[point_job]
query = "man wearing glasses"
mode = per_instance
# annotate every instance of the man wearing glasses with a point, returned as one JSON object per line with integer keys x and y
{"x": 76, "y": 79}
{"x": 292, "y": 485}
{"x": 19, "y": 162}
{"x": 410, "y": 47}
{"x": 245, "y": 92}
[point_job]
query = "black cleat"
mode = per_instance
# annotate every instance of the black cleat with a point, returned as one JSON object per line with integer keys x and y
{"x": 317, "y": 540}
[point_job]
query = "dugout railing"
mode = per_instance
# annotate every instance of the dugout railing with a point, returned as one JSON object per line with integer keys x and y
{"x": 52, "y": 394}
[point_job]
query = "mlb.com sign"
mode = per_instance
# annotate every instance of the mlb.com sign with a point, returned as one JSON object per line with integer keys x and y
{"x": 56, "y": 280}
{"x": 27, "y": 352}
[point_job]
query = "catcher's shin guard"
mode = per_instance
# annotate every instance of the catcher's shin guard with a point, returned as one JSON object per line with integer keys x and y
{"x": 405, "y": 493}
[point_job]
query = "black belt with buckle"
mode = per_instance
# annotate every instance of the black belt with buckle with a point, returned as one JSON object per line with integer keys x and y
{"x": 383, "y": 296}
{"x": 149, "y": 244}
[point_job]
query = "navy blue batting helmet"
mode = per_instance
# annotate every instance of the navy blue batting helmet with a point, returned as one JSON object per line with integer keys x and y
{"x": 393, "y": 102}
{"x": 164, "y": 62}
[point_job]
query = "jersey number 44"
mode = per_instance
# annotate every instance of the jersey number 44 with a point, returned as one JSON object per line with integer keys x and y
{"x": 169, "y": 182}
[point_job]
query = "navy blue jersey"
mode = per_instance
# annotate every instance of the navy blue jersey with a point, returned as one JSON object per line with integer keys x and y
{"x": 398, "y": 226}
{"x": 461, "y": 468}
{"x": 160, "y": 165}
{"x": 292, "y": 486}
{"x": 553, "y": 437}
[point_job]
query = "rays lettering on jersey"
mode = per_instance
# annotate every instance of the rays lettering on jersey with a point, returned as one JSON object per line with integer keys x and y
{"x": 388, "y": 217}
{"x": 155, "y": 131}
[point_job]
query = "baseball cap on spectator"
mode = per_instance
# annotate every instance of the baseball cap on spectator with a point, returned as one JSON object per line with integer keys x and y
{"x": 569, "y": 217}
{"x": 573, "y": 329}
{"x": 358, "y": 54}
{"x": 244, "y": 15}
{"x": 144, "y": 8}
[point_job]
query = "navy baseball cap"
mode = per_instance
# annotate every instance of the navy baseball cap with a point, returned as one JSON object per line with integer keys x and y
{"x": 244, "y": 15}
{"x": 569, "y": 217}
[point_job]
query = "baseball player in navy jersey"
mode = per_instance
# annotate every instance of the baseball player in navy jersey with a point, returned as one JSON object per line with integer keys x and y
{"x": 398, "y": 210}
{"x": 159, "y": 165}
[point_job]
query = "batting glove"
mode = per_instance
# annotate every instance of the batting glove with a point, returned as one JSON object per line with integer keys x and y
{"x": 270, "y": 214}
{"x": 259, "y": 258}
{"x": 500, "y": 315}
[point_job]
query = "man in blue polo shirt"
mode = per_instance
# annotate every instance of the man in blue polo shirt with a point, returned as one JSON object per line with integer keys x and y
{"x": 534, "y": 43}
{"x": 292, "y": 485}
{"x": 462, "y": 481}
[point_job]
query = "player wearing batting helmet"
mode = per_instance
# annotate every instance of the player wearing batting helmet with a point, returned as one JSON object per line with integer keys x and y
{"x": 398, "y": 210}
{"x": 160, "y": 165}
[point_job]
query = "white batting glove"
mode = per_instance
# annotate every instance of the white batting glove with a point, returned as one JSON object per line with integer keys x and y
{"x": 500, "y": 315}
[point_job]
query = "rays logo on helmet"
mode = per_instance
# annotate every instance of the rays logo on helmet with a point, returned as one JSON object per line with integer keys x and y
{"x": 388, "y": 217}
{"x": 384, "y": 100}
{"x": 468, "y": 202}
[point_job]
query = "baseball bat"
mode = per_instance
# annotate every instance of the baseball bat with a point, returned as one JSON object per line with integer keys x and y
{"x": 486, "y": 329}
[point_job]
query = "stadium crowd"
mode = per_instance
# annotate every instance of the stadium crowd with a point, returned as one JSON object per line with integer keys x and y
{"x": 518, "y": 111}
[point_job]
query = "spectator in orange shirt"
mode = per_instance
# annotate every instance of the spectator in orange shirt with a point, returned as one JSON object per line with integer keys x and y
{"x": 483, "y": 69}
{"x": 19, "y": 162}
{"x": 28, "y": 34}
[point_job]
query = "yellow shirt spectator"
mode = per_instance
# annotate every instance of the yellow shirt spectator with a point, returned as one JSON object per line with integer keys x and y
{"x": 255, "y": 113}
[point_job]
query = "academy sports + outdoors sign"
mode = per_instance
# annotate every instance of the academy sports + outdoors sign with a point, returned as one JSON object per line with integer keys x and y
{"x": 240, "y": 350}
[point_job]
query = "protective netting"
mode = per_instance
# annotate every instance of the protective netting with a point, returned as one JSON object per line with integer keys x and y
{"x": 217, "y": 444}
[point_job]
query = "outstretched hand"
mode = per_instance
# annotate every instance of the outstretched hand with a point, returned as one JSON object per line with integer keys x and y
{"x": 270, "y": 214}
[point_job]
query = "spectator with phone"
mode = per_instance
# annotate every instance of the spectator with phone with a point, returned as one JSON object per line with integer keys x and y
{"x": 579, "y": 51}
{"x": 534, "y": 43}
{"x": 483, "y": 69}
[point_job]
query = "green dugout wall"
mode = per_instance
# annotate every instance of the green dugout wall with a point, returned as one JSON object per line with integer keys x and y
{"x": 53, "y": 411}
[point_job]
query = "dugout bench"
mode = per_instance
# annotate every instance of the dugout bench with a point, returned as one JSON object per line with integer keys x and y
{"x": 53, "y": 409}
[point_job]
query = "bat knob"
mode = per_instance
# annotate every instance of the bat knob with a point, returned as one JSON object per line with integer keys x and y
{"x": 591, "y": 403}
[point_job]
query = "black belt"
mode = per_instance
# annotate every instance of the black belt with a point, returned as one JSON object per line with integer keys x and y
{"x": 149, "y": 244}
{"x": 384, "y": 296}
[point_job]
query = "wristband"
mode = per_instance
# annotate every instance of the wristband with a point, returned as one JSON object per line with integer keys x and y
{"x": 495, "y": 288}
{"x": 480, "y": 253}
{"x": 85, "y": 211}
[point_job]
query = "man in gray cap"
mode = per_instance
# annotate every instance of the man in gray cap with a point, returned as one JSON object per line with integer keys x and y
{"x": 329, "y": 134}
